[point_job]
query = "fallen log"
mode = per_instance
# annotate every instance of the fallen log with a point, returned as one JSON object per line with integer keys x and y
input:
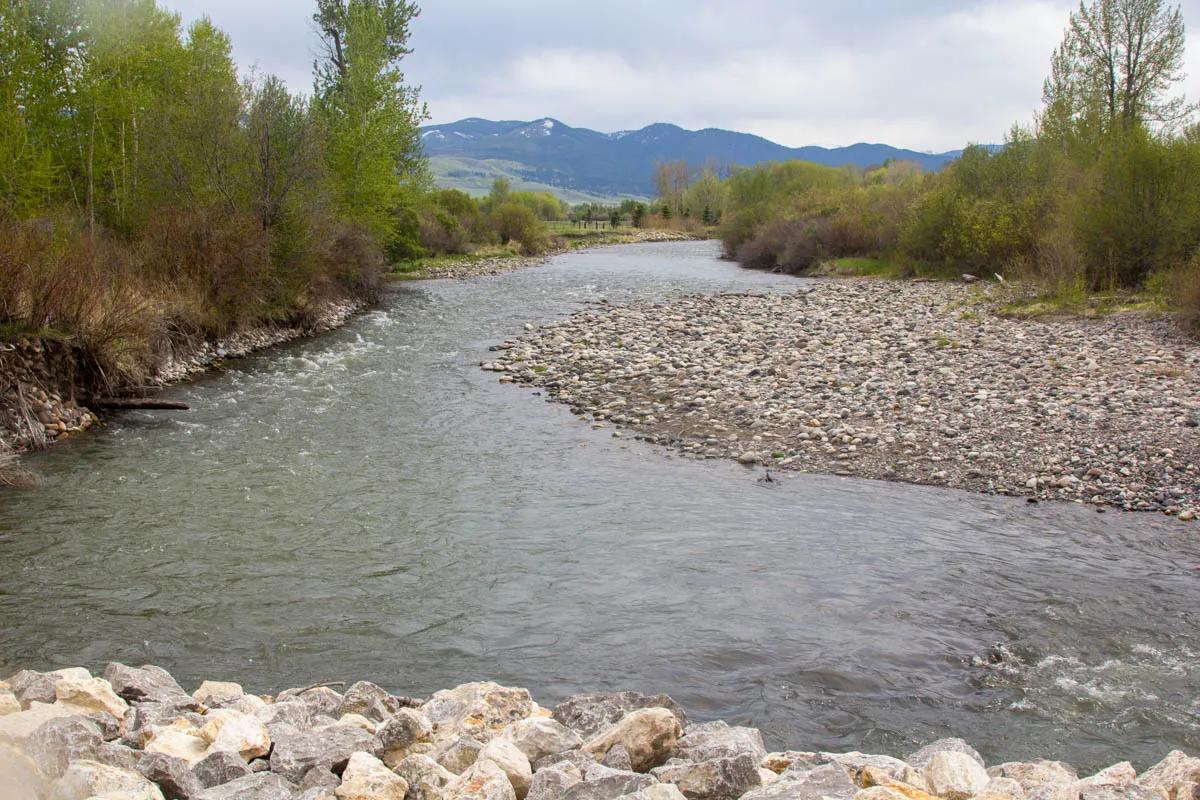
{"x": 138, "y": 404}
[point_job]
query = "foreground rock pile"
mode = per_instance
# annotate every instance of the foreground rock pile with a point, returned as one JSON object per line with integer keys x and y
{"x": 916, "y": 382}
{"x": 136, "y": 734}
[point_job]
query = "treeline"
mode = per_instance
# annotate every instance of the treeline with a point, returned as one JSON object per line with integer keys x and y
{"x": 1102, "y": 192}
{"x": 146, "y": 188}
{"x": 452, "y": 222}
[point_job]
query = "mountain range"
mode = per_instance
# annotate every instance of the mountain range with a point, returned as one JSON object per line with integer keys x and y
{"x": 583, "y": 165}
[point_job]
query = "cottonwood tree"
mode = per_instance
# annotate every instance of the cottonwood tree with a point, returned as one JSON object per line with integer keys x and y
{"x": 1116, "y": 67}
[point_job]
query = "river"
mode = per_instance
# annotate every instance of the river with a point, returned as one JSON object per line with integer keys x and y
{"x": 370, "y": 504}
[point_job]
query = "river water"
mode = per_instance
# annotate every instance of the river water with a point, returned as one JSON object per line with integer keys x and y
{"x": 369, "y": 504}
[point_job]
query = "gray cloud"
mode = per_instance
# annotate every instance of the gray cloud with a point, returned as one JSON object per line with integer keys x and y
{"x": 928, "y": 75}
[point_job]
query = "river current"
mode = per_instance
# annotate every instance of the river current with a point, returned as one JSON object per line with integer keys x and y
{"x": 369, "y": 504}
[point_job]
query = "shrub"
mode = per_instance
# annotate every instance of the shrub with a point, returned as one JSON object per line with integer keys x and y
{"x": 515, "y": 222}
{"x": 441, "y": 233}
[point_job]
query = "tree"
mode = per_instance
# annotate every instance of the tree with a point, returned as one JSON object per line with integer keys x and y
{"x": 672, "y": 180}
{"x": 501, "y": 189}
{"x": 285, "y": 149}
{"x": 371, "y": 116}
{"x": 1117, "y": 65}
{"x": 614, "y": 219}
{"x": 638, "y": 214}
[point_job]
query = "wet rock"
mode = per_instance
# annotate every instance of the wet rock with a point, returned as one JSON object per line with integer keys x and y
{"x": 172, "y": 776}
{"x": 955, "y": 775}
{"x": 86, "y": 779}
{"x": 538, "y": 737}
{"x": 367, "y": 778}
{"x": 920, "y": 759}
{"x": 222, "y": 766}
{"x": 148, "y": 684}
{"x": 589, "y": 714}
{"x": 714, "y": 779}
{"x": 296, "y": 752}
{"x": 648, "y": 734}
{"x": 719, "y": 740}
{"x": 478, "y": 710}
{"x": 829, "y": 782}
{"x": 262, "y": 786}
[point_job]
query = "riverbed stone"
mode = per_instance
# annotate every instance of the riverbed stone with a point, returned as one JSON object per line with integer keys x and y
{"x": 172, "y": 775}
{"x": 720, "y": 740}
{"x": 1168, "y": 777}
{"x": 260, "y": 786}
{"x": 589, "y": 714}
{"x": 479, "y": 710}
{"x": 648, "y": 734}
{"x": 538, "y": 737}
{"x": 726, "y": 778}
{"x": 921, "y": 758}
{"x": 221, "y": 766}
{"x": 295, "y": 751}
{"x": 85, "y": 779}
{"x": 955, "y": 775}
{"x": 367, "y": 778}
{"x": 147, "y": 684}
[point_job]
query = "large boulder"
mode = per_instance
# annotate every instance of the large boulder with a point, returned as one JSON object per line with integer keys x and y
{"x": 553, "y": 782}
{"x": 20, "y": 776}
{"x": 715, "y": 779}
{"x": 589, "y": 714}
{"x": 368, "y": 700}
{"x": 220, "y": 767}
{"x": 829, "y": 782}
{"x": 148, "y": 684}
{"x": 483, "y": 780}
{"x": 296, "y": 751}
{"x": 227, "y": 729}
{"x": 457, "y": 754}
{"x": 719, "y": 740}
{"x": 260, "y": 786}
{"x": 219, "y": 694}
{"x": 921, "y": 758}
{"x": 9, "y": 704}
{"x": 367, "y": 778}
{"x": 18, "y": 728}
{"x": 509, "y": 758}
{"x": 90, "y": 695}
{"x": 659, "y": 791}
{"x": 85, "y": 779}
{"x": 648, "y": 734}
{"x": 39, "y": 687}
{"x": 181, "y": 739}
{"x": 603, "y": 783}
{"x": 1170, "y": 776}
{"x": 955, "y": 775}
{"x": 478, "y": 710}
{"x": 319, "y": 699}
{"x": 1041, "y": 780}
{"x": 171, "y": 775}
{"x": 396, "y": 738}
{"x": 538, "y": 737}
{"x": 58, "y": 742}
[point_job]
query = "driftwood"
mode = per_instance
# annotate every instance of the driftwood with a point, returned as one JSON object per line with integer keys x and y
{"x": 138, "y": 403}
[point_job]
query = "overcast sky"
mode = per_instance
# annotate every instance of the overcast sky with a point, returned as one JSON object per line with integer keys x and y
{"x": 930, "y": 75}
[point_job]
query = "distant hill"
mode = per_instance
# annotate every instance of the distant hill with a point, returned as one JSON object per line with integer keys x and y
{"x": 580, "y": 164}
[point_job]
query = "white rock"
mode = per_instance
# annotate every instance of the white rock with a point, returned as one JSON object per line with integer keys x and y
{"x": 478, "y": 710}
{"x": 84, "y": 779}
{"x": 648, "y": 734}
{"x": 240, "y": 733}
{"x": 218, "y": 694}
{"x": 483, "y": 780}
{"x": 1167, "y": 776}
{"x": 509, "y": 758}
{"x": 20, "y": 777}
{"x": 8, "y": 703}
{"x": 955, "y": 776}
{"x": 180, "y": 739}
{"x": 358, "y": 721}
{"x": 18, "y": 727}
{"x": 90, "y": 695}
{"x": 537, "y": 737}
{"x": 366, "y": 778}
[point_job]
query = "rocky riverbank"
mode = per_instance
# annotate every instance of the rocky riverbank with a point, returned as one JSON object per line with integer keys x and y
{"x": 137, "y": 734}
{"x": 46, "y": 385}
{"x": 474, "y": 267}
{"x": 903, "y": 381}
